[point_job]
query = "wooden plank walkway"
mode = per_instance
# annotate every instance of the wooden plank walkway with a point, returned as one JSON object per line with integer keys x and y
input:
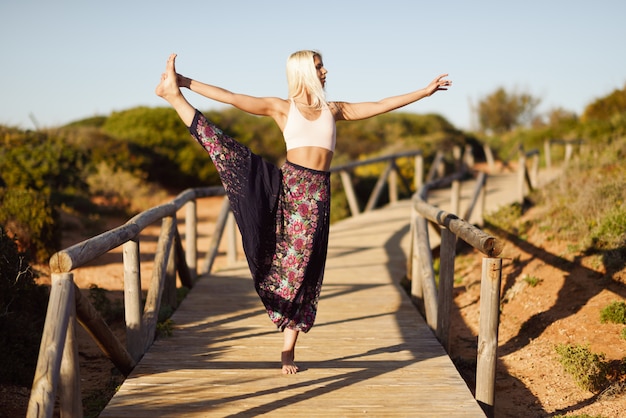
{"x": 370, "y": 352}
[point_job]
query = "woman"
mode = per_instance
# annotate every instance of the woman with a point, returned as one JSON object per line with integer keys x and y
{"x": 282, "y": 213}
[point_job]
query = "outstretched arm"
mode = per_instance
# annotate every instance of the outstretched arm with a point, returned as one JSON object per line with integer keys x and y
{"x": 262, "y": 106}
{"x": 364, "y": 110}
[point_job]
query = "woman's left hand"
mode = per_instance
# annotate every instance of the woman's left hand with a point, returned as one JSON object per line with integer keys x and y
{"x": 439, "y": 83}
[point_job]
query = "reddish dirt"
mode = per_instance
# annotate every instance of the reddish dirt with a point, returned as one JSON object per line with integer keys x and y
{"x": 563, "y": 308}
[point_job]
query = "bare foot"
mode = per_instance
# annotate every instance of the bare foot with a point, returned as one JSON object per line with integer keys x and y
{"x": 287, "y": 359}
{"x": 168, "y": 87}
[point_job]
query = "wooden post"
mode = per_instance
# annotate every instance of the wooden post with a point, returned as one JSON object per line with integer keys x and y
{"x": 92, "y": 322}
{"x": 378, "y": 187}
{"x": 446, "y": 286}
{"x": 427, "y": 275}
{"x": 490, "y": 160}
{"x": 353, "y": 203}
{"x": 231, "y": 231}
{"x": 482, "y": 202}
{"x": 220, "y": 224}
{"x": 70, "y": 400}
{"x": 457, "y": 156}
{"x": 157, "y": 283}
{"x": 132, "y": 299}
{"x": 411, "y": 251}
{"x": 488, "y": 333}
{"x": 169, "y": 284}
{"x": 392, "y": 182}
{"x": 191, "y": 238}
{"x": 184, "y": 274}
{"x": 419, "y": 172}
{"x": 455, "y": 197}
{"x": 477, "y": 199}
{"x": 521, "y": 178}
{"x": 436, "y": 169}
{"x": 569, "y": 151}
{"x": 469, "y": 157}
{"x": 534, "y": 171}
{"x": 416, "y": 275}
{"x": 41, "y": 402}
{"x": 547, "y": 152}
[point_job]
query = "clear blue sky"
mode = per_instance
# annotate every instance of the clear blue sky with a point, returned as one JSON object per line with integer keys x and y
{"x": 70, "y": 59}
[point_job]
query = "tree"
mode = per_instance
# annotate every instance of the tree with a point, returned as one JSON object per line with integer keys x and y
{"x": 605, "y": 108}
{"x": 502, "y": 111}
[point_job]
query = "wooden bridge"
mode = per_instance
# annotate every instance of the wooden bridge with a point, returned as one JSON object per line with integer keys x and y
{"x": 370, "y": 352}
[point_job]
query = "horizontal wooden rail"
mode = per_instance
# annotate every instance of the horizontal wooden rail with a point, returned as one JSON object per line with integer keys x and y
{"x": 85, "y": 251}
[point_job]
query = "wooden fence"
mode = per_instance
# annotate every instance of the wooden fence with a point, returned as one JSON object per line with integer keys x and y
{"x": 436, "y": 301}
{"x": 57, "y": 371}
{"x": 57, "y": 364}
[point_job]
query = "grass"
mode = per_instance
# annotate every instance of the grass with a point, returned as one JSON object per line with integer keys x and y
{"x": 532, "y": 280}
{"x": 589, "y": 201}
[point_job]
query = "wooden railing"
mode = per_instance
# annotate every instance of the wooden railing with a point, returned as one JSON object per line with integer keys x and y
{"x": 57, "y": 366}
{"x": 392, "y": 176}
{"x": 389, "y": 176}
{"x": 436, "y": 302}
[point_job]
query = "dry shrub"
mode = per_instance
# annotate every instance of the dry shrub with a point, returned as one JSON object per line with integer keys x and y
{"x": 123, "y": 189}
{"x": 589, "y": 200}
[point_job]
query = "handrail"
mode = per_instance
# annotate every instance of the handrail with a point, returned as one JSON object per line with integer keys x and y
{"x": 437, "y": 302}
{"x": 67, "y": 304}
{"x": 391, "y": 174}
{"x": 79, "y": 254}
{"x": 569, "y": 149}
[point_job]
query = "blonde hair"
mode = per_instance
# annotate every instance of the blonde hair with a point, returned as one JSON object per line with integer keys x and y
{"x": 302, "y": 77}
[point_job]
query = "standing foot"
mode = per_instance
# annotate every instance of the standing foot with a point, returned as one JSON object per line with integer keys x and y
{"x": 287, "y": 360}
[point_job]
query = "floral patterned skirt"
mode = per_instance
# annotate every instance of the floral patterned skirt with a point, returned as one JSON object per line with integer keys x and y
{"x": 283, "y": 216}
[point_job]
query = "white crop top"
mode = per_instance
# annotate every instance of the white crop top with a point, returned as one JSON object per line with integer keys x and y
{"x": 301, "y": 132}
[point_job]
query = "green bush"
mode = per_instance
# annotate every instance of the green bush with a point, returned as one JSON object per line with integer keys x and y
{"x": 123, "y": 190}
{"x": 29, "y": 216}
{"x": 590, "y": 202}
{"x": 588, "y": 369}
{"x": 43, "y": 162}
{"x": 615, "y": 313}
{"x": 22, "y": 313}
{"x": 161, "y": 147}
